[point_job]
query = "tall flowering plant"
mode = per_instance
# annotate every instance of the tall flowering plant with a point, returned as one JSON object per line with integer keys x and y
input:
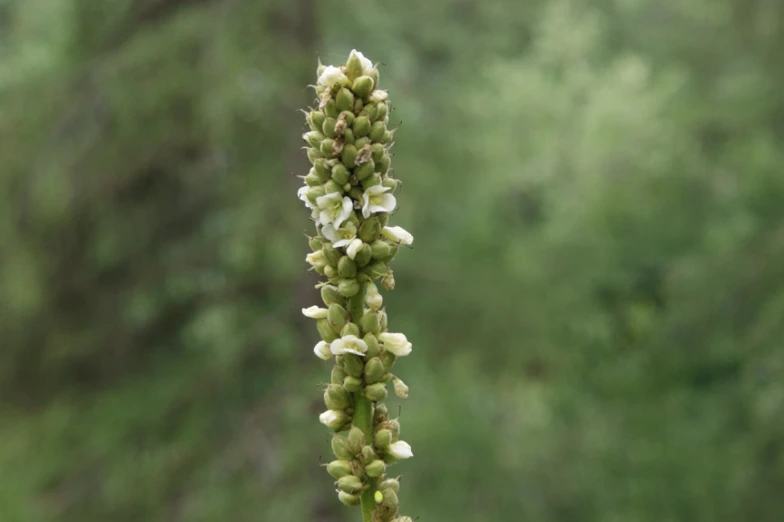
{"x": 351, "y": 194}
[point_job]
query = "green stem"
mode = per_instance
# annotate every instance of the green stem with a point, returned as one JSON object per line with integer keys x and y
{"x": 363, "y": 408}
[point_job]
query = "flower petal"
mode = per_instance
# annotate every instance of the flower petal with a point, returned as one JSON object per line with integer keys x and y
{"x": 398, "y": 234}
{"x": 314, "y": 312}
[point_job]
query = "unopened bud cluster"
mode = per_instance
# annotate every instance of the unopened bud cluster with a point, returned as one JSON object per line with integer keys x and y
{"x": 351, "y": 194}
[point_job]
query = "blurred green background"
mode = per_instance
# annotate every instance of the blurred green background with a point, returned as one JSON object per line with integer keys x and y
{"x": 595, "y": 294}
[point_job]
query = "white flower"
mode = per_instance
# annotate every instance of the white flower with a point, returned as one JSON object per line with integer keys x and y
{"x": 316, "y": 259}
{"x": 348, "y": 344}
{"x": 395, "y": 343}
{"x": 339, "y": 237}
{"x": 401, "y": 450}
{"x": 302, "y": 194}
{"x": 401, "y": 390}
{"x": 372, "y": 297}
{"x": 333, "y": 210}
{"x": 353, "y": 248}
{"x": 314, "y": 312}
{"x": 398, "y": 234}
{"x": 375, "y": 200}
{"x": 378, "y": 96}
{"x": 366, "y": 64}
{"x": 331, "y": 76}
{"x": 322, "y": 350}
{"x": 333, "y": 419}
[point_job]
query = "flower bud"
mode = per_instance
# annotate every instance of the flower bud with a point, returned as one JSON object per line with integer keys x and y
{"x": 325, "y": 330}
{"x": 322, "y": 350}
{"x": 356, "y": 439}
{"x": 377, "y": 131}
{"x": 369, "y": 454}
{"x": 339, "y": 468}
{"x": 376, "y": 392}
{"x": 389, "y": 484}
{"x": 372, "y": 344}
{"x": 375, "y": 468}
{"x": 350, "y": 484}
{"x": 314, "y": 154}
{"x": 314, "y": 138}
{"x": 348, "y": 137}
{"x": 322, "y": 170}
{"x": 388, "y": 281}
{"x": 340, "y": 448}
{"x": 401, "y": 390}
{"x": 381, "y": 110}
{"x": 344, "y": 100}
{"x": 363, "y": 255}
{"x": 336, "y": 315}
{"x": 383, "y": 219}
{"x": 400, "y": 450}
{"x": 383, "y": 439}
{"x": 347, "y": 117}
{"x": 362, "y": 86}
{"x": 332, "y": 254}
{"x": 353, "y": 366}
{"x": 312, "y": 179}
{"x": 369, "y": 323}
{"x": 336, "y": 397}
{"x": 369, "y": 231}
{"x": 396, "y": 343}
{"x": 330, "y": 109}
{"x": 348, "y": 499}
{"x": 361, "y": 143}
{"x": 354, "y": 67}
{"x": 373, "y": 298}
{"x": 371, "y": 181}
{"x": 348, "y": 287}
{"x": 358, "y": 104}
{"x": 391, "y": 501}
{"x": 388, "y": 358}
{"x": 316, "y": 260}
{"x": 329, "y": 127}
{"x": 315, "y": 120}
{"x": 352, "y": 384}
{"x": 383, "y": 164}
{"x": 376, "y": 269}
{"x": 379, "y": 249}
{"x": 388, "y": 136}
{"x": 349, "y": 155}
{"x": 330, "y": 295}
{"x": 325, "y": 147}
{"x": 334, "y": 419}
{"x": 365, "y": 170}
{"x": 382, "y": 320}
{"x": 376, "y": 151}
{"x": 378, "y": 96}
{"x": 361, "y": 128}
{"x": 373, "y": 73}
{"x": 337, "y": 375}
{"x": 369, "y": 111}
{"x": 350, "y": 329}
{"x": 315, "y": 192}
{"x": 340, "y": 174}
{"x": 347, "y": 268}
{"x": 374, "y": 370}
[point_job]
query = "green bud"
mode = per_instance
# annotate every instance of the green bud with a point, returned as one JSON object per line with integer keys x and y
{"x": 375, "y": 468}
{"x": 380, "y": 414}
{"x": 369, "y": 231}
{"x": 373, "y": 73}
{"x": 330, "y": 109}
{"x": 381, "y": 111}
{"x": 315, "y": 120}
{"x": 312, "y": 179}
{"x": 344, "y": 100}
{"x": 352, "y": 384}
{"x": 326, "y": 146}
{"x": 383, "y": 164}
{"x": 362, "y": 86}
{"x": 337, "y": 397}
{"x": 369, "y": 111}
{"x": 332, "y": 273}
{"x": 314, "y": 138}
{"x": 364, "y": 170}
{"x": 336, "y": 315}
{"x": 356, "y": 439}
{"x": 315, "y": 243}
{"x": 388, "y": 358}
{"x": 353, "y": 66}
{"x": 337, "y": 375}
{"x": 348, "y": 499}
{"x": 388, "y": 281}
{"x": 353, "y": 366}
{"x": 361, "y": 128}
{"x": 401, "y": 390}
{"x": 391, "y": 183}
{"x": 332, "y": 254}
{"x": 376, "y": 392}
{"x": 369, "y": 454}
{"x": 348, "y": 287}
{"x": 376, "y": 269}
{"x": 348, "y": 137}
{"x": 340, "y": 448}
{"x": 350, "y": 484}
{"x": 355, "y": 193}
{"x": 350, "y": 329}
{"x": 315, "y": 192}
{"x": 325, "y": 330}
{"x": 330, "y": 294}
{"x": 348, "y": 117}
{"x": 382, "y": 321}
{"x": 339, "y": 468}
{"x": 369, "y": 323}
{"x": 393, "y": 426}
{"x": 391, "y": 501}
{"x": 347, "y": 267}
{"x": 363, "y": 256}
{"x": 340, "y": 174}
{"x": 379, "y": 249}
{"x": 322, "y": 170}
{"x": 372, "y": 344}
{"x": 377, "y": 151}
{"x": 329, "y": 127}
{"x": 349, "y": 156}
{"x": 358, "y": 104}
{"x": 374, "y": 371}
{"x": 377, "y": 131}
{"x": 387, "y": 138}
{"x": 313, "y": 155}
{"x": 330, "y": 187}
{"x": 371, "y": 181}
{"x": 383, "y": 218}
{"x": 389, "y": 484}
{"x": 360, "y": 143}
{"x": 382, "y": 438}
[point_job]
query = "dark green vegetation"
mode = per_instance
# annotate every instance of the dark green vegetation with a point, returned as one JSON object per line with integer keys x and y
{"x": 595, "y": 297}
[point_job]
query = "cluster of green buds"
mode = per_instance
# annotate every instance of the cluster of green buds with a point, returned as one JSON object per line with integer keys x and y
{"x": 351, "y": 194}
